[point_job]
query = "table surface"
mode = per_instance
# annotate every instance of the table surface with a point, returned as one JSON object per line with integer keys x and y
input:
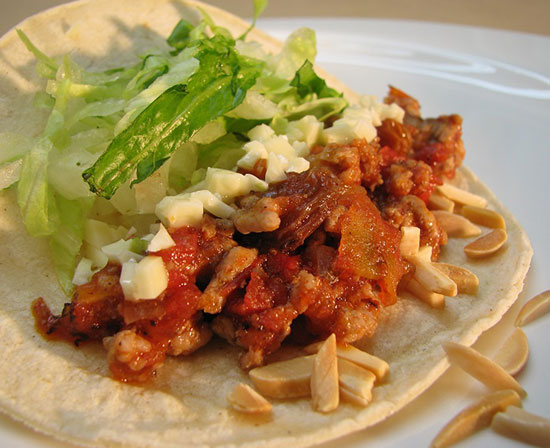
{"x": 531, "y": 16}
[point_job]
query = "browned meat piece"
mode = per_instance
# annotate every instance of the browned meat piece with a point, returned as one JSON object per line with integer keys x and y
{"x": 436, "y": 141}
{"x": 225, "y": 328}
{"x": 332, "y": 223}
{"x": 263, "y": 334}
{"x": 319, "y": 258}
{"x": 304, "y": 289}
{"x": 310, "y": 198}
{"x": 409, "y": 177}
{"x": 395, "y": 135}
{"x": 439, "y": 143}
{"x": 406, "y": 102}
{"x": 412, "y": 211}
{"x": 232, "y": 270}
{"x": 128, "y": 348}
{"x": 343, "y": 308}
{"x": 370, "y": 163}
{"x": 259, "y": 215}
{"x": 92, "y": 314}
{"x": 190, "y": 337}
{"x": 355, "y": 163}
{"x": 343, "y": 160}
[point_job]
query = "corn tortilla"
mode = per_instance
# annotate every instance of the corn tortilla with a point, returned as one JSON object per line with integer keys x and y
{"x": 68, "y": 393}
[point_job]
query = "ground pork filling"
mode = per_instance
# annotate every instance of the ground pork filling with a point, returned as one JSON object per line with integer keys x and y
{"x": 316, "y": 254}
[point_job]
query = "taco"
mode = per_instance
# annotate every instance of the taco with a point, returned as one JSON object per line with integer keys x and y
{"x": 71, "y": 393}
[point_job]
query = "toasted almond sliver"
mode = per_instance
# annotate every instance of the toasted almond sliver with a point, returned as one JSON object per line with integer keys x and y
{"x": 378, "y": 366}
{"x": 534, "y": 308}
{"x": 245, "y": 399}
{"x": 481, "y": 367}
{"x": 410, "y": 241}
{"x": 486, "y": 245}
{"x": 433, "y": 279}
{"x": 439, "y": 202}
{"x": 466, "y": 281}
{"x": 284, "y": 379}
{"x": 483, "y": 217}
{"x": 512, "y": 355}
{"x": 350, "y": 397}
{"x": 475, "y": 417}
{"x": 425, "y": 253}
{"x": 325, "y": 395}
{"x": 433, "y": 299}
{"x": 455, "y": 225}
{"x": 355, "y": 382}
{"x": 461, "y": 196}
{"x": 521, "y": 425}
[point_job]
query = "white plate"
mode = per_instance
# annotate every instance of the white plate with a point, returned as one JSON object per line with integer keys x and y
{"x": 500, "y": 83}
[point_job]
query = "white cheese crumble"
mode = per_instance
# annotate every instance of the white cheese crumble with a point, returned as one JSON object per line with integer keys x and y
{"x": 161, "y": 240}
{"x": 360, "y": 121}
{"x": 121, "y": 251}
{"x": 83, "y": 272}
{"x": 218, "y": 188}
{"x": 143, "y": 280}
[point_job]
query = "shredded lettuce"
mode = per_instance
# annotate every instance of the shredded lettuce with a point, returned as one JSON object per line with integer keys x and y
{"x": 66, "y": 240}
{"x": 259, "y": 6}
{"x": 218, "y": 86}
{"x": 307, "y": 83}
{"x": 136, "y": 134}
{"x": 34, "y": 196}
{"x": 299, "y": 47}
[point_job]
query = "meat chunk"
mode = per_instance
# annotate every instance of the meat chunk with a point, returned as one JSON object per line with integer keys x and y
{"x": 357, "y": 163}
{"x": 260, "y": 215}
{"x": 228, "y": 275}
{"x": 409, "y": 177}
{"x": 92, "y": 314}
{"x": 412, "y": 211}
{"x": 406, "y": 102}
{"x": 189, "y": 338}
{"x": 310, "y": 198}
{"x": 127, "y": 347}
{"x": 436, "y": 141}
{"x": 439, "y": 144}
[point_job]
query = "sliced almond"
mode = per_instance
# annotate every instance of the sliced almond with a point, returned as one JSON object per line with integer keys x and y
{"x": 433, "y": 299}
{"x": 425, "y": 253}
{"x": 456, "y": 226}
{"x": 461, "y": 196}
{"x": 481, "y": 367}
{"x": 284, "y": 379}
{"x": 512, "y": 355}
{"x": 355, "y": 382}
{"x": 483, "y": 216}
{"x": 439, "y": 202}
{"x": 410, "y": 241}
{"x": 432, "y": 278}
{"x": 245, "y": 399}
{"x": 466, "y": 281}
{"x": 378, "y": 366}
{"x": 521, "y": 425}
{"x": 534, "y": 308}
{"x": 486, "y": 245}
{"x": 325, "y": 395}
{"x": 475, "y": 417}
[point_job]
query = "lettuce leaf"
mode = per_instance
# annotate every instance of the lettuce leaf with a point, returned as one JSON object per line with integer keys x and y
{"x": 66, "y": 240}
{"x": 218, "y": 86}
{"x": 259, "y": 6}
{"x": 307, "y": 82}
